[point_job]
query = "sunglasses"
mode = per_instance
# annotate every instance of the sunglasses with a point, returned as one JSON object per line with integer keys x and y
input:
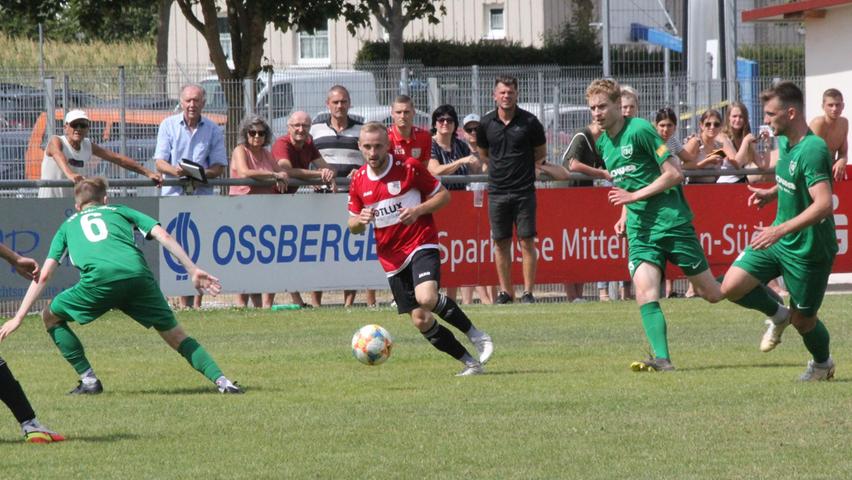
{"x": 712, "y": 124}
{"x": 445, "y": 120}
{"x": 79, "y": 125}
{"x": 470, "y": 129}
{"x": 256, "y": 133}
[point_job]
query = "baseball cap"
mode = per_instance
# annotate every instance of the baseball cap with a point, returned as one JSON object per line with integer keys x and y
{"x": 75, "y": 115}
{"x": 470, "y": 118}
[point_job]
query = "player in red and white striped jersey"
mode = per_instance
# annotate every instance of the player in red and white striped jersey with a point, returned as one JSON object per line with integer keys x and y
{"x": 398, "y": 196}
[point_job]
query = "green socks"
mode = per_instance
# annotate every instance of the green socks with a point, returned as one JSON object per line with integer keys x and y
{"x": 70, "y": 347}
{"x": 200, "y": 360}
{"x": 654, "y": 324}
{"x": 816, "y": 341}
{"x": 758, "y": 299}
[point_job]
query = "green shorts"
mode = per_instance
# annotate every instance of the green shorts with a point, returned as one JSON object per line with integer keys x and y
{"x": 806, "y": 281}
{"x": 140, "y": 298}
{"x": 680, "y": 246}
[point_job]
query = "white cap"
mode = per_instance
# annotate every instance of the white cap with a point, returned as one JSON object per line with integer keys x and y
{"x": 75, "y": 115}
{"x": 470, "y": 118}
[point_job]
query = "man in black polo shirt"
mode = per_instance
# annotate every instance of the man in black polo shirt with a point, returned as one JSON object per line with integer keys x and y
{"x": 512, "y": 140}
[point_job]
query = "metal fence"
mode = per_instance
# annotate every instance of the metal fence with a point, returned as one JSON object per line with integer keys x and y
{"x": 127, "y": 105}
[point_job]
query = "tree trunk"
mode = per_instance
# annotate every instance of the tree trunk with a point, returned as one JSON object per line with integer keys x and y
{"x": 163, "y": 17}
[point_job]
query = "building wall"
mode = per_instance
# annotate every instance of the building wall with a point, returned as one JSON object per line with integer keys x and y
{"x": 526, "y": 22}
{"x": 826, "y": 66}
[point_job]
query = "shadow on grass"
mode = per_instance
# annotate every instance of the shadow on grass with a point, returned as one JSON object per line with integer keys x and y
{"x": 740, "y": 366}
{"x": 115, "y": 437}
{"x": 516, "y": 372}
{"x": 202, "y": 390}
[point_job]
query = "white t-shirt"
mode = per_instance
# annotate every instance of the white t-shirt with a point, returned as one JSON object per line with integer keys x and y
{"x": 80, "y": 161}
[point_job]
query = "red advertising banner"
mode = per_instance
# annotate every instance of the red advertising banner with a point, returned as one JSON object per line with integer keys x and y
{"x": 576, "y": 242}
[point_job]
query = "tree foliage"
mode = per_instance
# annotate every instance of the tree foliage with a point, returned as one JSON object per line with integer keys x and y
{"x": 80, "y": 20}
{"x": 395, "y": 15}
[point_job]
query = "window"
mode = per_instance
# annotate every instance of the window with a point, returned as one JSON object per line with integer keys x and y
{"x": 313, "y": 47}
{"x": 496, "y": 28}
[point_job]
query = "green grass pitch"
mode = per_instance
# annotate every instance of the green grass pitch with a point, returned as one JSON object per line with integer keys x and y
{"x": 559, "y": 400}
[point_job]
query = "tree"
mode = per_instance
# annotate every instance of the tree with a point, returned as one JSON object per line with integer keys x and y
{"x": 80, "y": 20}
{"x": 395, "y": 15}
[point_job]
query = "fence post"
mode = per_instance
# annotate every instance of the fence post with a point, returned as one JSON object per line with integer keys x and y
{"x": 403, "y": 81}
{"x": 66, "y": 83}
{"x": 433, "y": 94}
{"x": 50, "y": 107}
{"x": 269, "y": 110}
{"x": 667, "y": 76}
{"x": 122, "y": 112}
{"x": 541, "y": 96}
{"x": 474, "y": 81}
{"x": 709, "y": 79}
{"x": 249, "y": 96}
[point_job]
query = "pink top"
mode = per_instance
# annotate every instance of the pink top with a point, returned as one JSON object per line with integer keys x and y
{"x": 263, "y": 162}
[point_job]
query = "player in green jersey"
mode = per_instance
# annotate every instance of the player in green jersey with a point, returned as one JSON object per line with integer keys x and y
{"x": 801, "y": 243}
{"x": 655, "y": 218}
{"x": 113, "y": 274}
{"x": 11, "y": 392}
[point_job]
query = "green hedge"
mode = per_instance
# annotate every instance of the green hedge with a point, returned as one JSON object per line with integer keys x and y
{"x": 441, "y": 53}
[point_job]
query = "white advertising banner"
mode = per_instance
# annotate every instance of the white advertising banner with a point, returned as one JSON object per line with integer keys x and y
{"x": 268, "y": 243}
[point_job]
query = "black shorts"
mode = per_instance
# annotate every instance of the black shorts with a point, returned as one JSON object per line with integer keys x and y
{"x": 425, "y": 265}
{"x": 506, "y": 210}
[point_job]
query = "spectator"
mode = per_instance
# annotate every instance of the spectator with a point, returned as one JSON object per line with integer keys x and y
{"x": 406, "y": 139}
{"x": 834, "y": 129}
{"x": 581, "y": 156}
{"x": 296, "y": 153}
{"x": 68, "y": 156}
{"x": 449, "y": 154}
{"x": 629, "y": 101}
{"x": 11, "y": 392}
{"x": 736, "y": 128}
{"x": 252, "y": 160}
{"x": 337, "y": 141}
{"x": 665, "y": 123}
{"x": 190, "y": 136}
{"x": 712, "y": 147}
{"x": 470, "y": 124}
{"x": 512, "y": 154}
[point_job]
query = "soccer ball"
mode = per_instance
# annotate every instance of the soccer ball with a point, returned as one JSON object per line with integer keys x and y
{"x": 371, "y": 345}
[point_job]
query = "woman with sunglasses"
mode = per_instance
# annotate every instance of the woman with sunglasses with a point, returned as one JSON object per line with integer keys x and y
{"x": 713, "y": 147}
{"x": 450, "y": 155}
{"x": 251, "y": 159}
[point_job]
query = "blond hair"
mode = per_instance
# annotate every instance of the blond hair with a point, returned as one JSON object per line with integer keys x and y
{"x": 90, "y": 190}
{"x": 606, "y": 86}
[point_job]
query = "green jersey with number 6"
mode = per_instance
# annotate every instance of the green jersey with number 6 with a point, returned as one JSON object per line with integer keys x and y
{"x": 633, "y": 158}
{"x": 99, "y": 241}
{"x": 800, "y": 167}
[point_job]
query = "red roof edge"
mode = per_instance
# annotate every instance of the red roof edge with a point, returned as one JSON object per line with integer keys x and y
{"x": 787, "y": 10}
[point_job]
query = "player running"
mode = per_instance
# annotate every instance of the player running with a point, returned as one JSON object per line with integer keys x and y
{"x": 655, "y": 218}
{"x": 398, "y": 195}
{"x": 801, "y": 243}
{"x": 113, "y": 274}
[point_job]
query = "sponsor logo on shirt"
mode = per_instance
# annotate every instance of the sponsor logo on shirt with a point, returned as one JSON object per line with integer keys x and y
{"x": 387, "y": 211}
{"x": 662, "y": 149}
